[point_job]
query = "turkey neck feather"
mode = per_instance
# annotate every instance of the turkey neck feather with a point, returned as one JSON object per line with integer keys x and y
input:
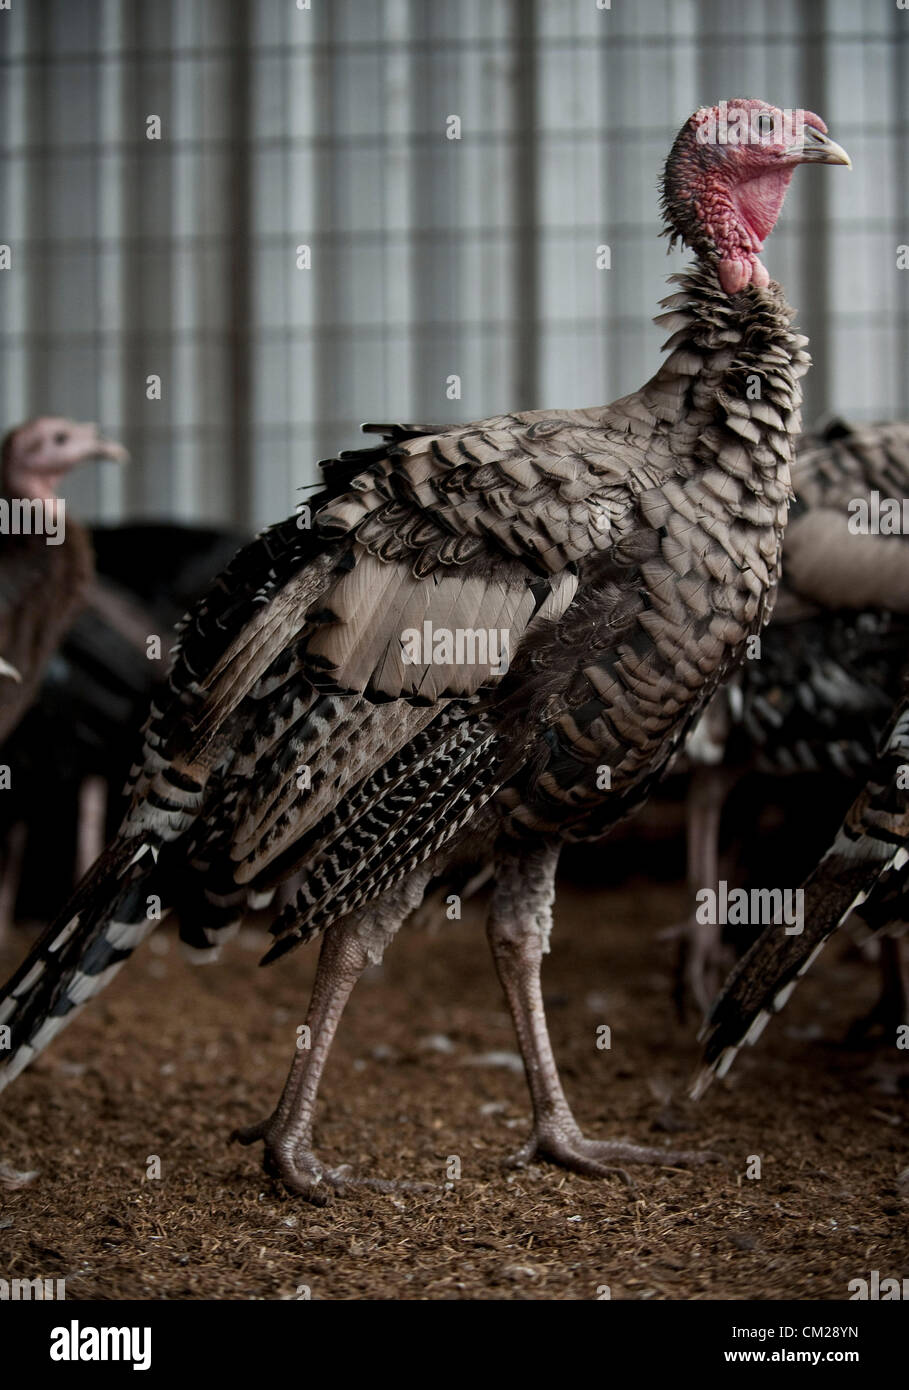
{"x": 42, "y": 589}
{"x": 733, "y": 369}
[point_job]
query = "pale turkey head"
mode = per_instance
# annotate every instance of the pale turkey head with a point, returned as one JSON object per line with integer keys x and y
{"x": 37, "y": 455}
{"x": 726, "y": 178}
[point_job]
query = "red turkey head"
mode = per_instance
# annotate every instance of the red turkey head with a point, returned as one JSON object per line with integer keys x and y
{"x": 38, "y": 454}
{"x": 726, "y": 178}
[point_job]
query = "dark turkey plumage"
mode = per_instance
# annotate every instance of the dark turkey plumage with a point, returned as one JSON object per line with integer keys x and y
{"x": 851, "y": 712}
{"x": 86, "y": 718}
{"x": 821, "y": 691}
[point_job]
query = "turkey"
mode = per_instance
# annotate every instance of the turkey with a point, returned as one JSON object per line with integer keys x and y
{"x": 865, "y": 867}
{"x": 71, "y": 753}
{"x": 162, "y": 567}
{"x": 46, "y": 563}
{"x": 490, "y": 634}
{"x": 830, "y": 668}
{"x": 46, "y": 572}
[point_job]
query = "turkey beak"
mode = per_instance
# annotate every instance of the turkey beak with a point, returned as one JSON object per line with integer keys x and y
{"x": 108, "y": 449}
{"x": 85, "y": 443}
{"x": 818, "y": 148}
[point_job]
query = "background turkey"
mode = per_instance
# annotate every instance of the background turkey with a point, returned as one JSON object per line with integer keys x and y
{"x": 623, "y": 555}
{"x": 863, "y": 869}
{"x": 46, "y": 559}
{"x": 823, "y": 690}
{"x": 46, "y": 577}
{"x": 70, "y": 756}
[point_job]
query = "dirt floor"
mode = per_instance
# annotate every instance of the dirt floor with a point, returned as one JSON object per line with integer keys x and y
{"x": 424, "y": 1068}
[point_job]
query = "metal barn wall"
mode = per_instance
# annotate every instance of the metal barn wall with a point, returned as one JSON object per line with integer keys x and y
{"x": 431, "y": 257}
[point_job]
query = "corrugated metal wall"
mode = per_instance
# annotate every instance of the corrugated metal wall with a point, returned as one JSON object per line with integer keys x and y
{"x": 431, "y": 257}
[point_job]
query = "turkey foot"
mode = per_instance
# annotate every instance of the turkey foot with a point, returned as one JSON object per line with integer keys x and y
{"x": 599, "y": 1158}
{"x": 296, "y": 1166}
{"x": 567, "y": 1147}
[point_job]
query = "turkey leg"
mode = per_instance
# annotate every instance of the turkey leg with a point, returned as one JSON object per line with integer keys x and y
{"x": 891, "y": 1011}
{"x": 703, "y": 963}
{"x": 91, "y": 826}
{"x": 12, "y": 857}
{"x": 520, "y": 920}
{"x": 347, "y": 948}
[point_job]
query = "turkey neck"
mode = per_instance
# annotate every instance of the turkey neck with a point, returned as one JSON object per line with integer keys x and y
{"x": 42, "y": 589}
{"x": 732, "y": 377}
{"x": 727, "y": 400}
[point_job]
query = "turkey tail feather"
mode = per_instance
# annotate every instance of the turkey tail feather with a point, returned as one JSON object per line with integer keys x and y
{"x": 77, "y": 955}
{"x": 867, "y": 859}
{"x": 763, "y": 980}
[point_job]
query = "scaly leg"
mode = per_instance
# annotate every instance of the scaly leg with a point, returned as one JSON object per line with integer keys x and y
{"x": 13, "y": 857}
{"x": 347, "y": 948}
{"x": 891, "y": 1011}
{"x": 91, "y": 834}
{"x": 702, "y": 962}
{"x": 519, "y": 924}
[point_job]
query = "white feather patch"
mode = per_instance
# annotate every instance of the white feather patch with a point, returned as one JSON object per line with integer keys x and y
{"x": 16, "y": 1064}
{"x": 757, "y": 1028}
{"x": 48, "y": 1031}
{"x": 62, "y": 937}
{"x": 33, "y": 976}
{"x": 781, "y": 998}
{"x": 82, "y": 986}
{"x": 125, "y": 936}
{"x": 701, "y": 1082}
{"x": 258, "y": 901}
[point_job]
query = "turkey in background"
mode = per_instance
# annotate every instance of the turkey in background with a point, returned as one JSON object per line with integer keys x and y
{"x": 71, "y": 754}
{"x": 828, "y": 696}
{"x": 46, "y": 563}
{"x": 46, "y": 575}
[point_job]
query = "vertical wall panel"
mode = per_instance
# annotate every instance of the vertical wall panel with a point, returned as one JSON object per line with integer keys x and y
{"x": 431, "y": 257}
